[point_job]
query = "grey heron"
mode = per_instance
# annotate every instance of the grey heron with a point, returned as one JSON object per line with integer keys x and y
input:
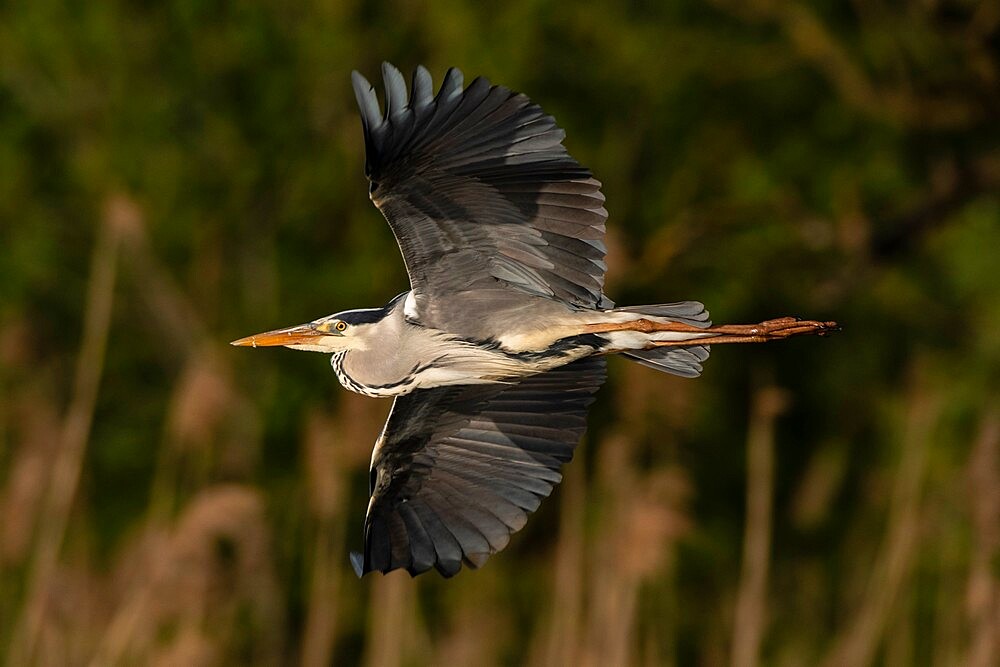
{"x": 494, "y": 355}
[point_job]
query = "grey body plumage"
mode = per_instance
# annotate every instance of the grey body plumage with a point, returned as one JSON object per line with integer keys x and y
{"x": 497, "y": 350}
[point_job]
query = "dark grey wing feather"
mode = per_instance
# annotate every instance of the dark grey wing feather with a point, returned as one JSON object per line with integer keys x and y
{"x": 458, "y": 469}
{"x": 480, "y": 193}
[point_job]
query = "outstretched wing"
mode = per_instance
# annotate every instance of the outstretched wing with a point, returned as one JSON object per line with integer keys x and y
{"x": 457, "y": 470}
{"x": 480, "y": 193}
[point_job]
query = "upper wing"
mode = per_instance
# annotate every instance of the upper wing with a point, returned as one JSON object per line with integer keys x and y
{"x": 457, "y": 469}
{"x": 480, "y": 192}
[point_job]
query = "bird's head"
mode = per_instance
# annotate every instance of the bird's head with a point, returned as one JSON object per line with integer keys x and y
{"x": 334, "y": 333}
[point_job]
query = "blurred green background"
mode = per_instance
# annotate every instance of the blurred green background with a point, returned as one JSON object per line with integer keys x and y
{"x": 177, "y": 175}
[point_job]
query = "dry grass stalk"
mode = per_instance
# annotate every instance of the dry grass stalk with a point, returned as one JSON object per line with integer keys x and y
{"x": 325, "y": 483}
{"x": 185, "y": 589}
{"x": 392, "y": 622}
{"x": 900, "y": 633}
{"x": 203, "y": 397}
{"x": 479, "y": 628}
{"x": 560, "y": 642}
{"x": 212, "y": 431}
{"x": 21, "y": 501}
{"x": 751, "y": 600}
{"x": 130, "y": 630}
{"x": 221, "y": 559}
{"x": 635, "y": 542}
{"x": 819, "y": 485}
{"x": 66, "y": 465}
{"x": 858, "y": 644}
{"x": 642, "y": 517}
{"x": 612, "y": 583}
{"x": 983, "y": 590}
{"x": 325, "y": 474}
{"x": 190, "y": 648}
{"x": 320, "y": 631}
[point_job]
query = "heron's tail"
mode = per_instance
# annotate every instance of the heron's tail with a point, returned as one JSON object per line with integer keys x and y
{"x": 685, "y": 312}
{"x": 683, "y": 361}
{"x": 640, "y": 345}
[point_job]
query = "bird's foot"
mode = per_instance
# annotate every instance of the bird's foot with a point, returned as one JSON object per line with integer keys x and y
{"x": 786, "y": 327}
{"x": 766, "y": 331}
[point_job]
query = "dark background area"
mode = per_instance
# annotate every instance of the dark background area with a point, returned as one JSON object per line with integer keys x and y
{"x": 174, "y": 176}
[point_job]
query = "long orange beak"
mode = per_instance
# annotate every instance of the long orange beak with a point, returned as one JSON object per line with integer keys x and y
{"x": 297, "y": 335}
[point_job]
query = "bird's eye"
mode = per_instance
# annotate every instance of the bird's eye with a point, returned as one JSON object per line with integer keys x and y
{"x": 340, "y": 326}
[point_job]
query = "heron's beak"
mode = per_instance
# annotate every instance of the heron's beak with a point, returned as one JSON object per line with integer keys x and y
{"x": 300, "y": 334}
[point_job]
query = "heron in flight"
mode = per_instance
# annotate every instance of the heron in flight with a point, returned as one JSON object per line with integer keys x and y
{"x": 494, "y": 355}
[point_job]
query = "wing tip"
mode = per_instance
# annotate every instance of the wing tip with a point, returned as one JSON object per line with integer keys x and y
{"x": 448, "y": 568}
{"x": 477, "y": 559}
{"x": 358, "y": 79}
{"x": 358, "y": 564}
{"x": 452, "y": 85}
{"x": 364, "y": 93}
{"x": 422, "y": 86}
{"x": 395, "y": 89}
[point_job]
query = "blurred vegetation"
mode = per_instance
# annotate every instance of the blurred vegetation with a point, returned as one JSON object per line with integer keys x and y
{"x": 176, "y": 175}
